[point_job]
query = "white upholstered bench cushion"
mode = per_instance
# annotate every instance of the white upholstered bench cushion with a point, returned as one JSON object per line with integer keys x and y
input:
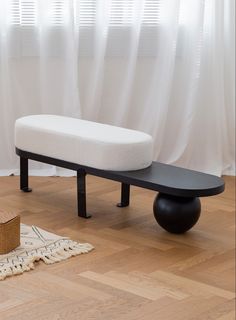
{"x": 84, "y": 142}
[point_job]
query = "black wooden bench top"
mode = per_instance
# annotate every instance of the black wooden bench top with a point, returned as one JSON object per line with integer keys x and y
{"x": 176, "y": 207}
{"x": 159, "y": 177}
{"x": 173, "y": 180}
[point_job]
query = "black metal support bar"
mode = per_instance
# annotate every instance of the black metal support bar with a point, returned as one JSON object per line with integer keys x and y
{"x": 24, "y": 175}
{"x": 125, "y": 195}
{"x": 81, "y": 194}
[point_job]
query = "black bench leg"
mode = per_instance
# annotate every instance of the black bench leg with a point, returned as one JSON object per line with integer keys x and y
{"x": 24, "y": 175}
{"x": 176, "y": 214}
{"x": 125, "y": 195}
{"x": 81, "y": 194}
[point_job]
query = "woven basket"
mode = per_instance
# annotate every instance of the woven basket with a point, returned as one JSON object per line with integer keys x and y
{"x": 9, "y": 231}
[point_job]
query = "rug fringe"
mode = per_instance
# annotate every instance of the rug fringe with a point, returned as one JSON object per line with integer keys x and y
{"x": 59, "y": 251}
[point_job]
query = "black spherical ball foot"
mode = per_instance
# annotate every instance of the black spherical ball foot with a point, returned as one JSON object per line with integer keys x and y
{"x": 176, "y": 214}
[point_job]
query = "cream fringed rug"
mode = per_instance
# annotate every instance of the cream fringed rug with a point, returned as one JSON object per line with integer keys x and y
{"x": 38, "y": 244}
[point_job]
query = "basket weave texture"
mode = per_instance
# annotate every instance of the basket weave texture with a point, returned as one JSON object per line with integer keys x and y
{"x": 9, "y": 231}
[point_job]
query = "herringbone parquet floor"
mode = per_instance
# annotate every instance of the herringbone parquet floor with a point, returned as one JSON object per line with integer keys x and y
{"x": 136, "y": 272}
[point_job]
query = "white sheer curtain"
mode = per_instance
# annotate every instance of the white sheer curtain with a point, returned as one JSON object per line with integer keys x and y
{"x": 165, "y": 67}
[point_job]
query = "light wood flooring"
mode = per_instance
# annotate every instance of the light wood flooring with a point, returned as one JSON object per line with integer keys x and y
{"x": 137, "y": 270}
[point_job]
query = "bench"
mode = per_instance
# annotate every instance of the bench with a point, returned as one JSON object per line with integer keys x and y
{"x": 117, "y": 154}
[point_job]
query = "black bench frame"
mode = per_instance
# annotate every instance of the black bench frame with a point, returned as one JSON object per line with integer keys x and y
{"x": 81, "y": 178}
{"x": 175, "y": 209}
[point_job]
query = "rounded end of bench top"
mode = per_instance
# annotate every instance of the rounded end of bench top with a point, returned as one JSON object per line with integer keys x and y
{"x": 84, "y": 142}
{"x": 175, "y": 181}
